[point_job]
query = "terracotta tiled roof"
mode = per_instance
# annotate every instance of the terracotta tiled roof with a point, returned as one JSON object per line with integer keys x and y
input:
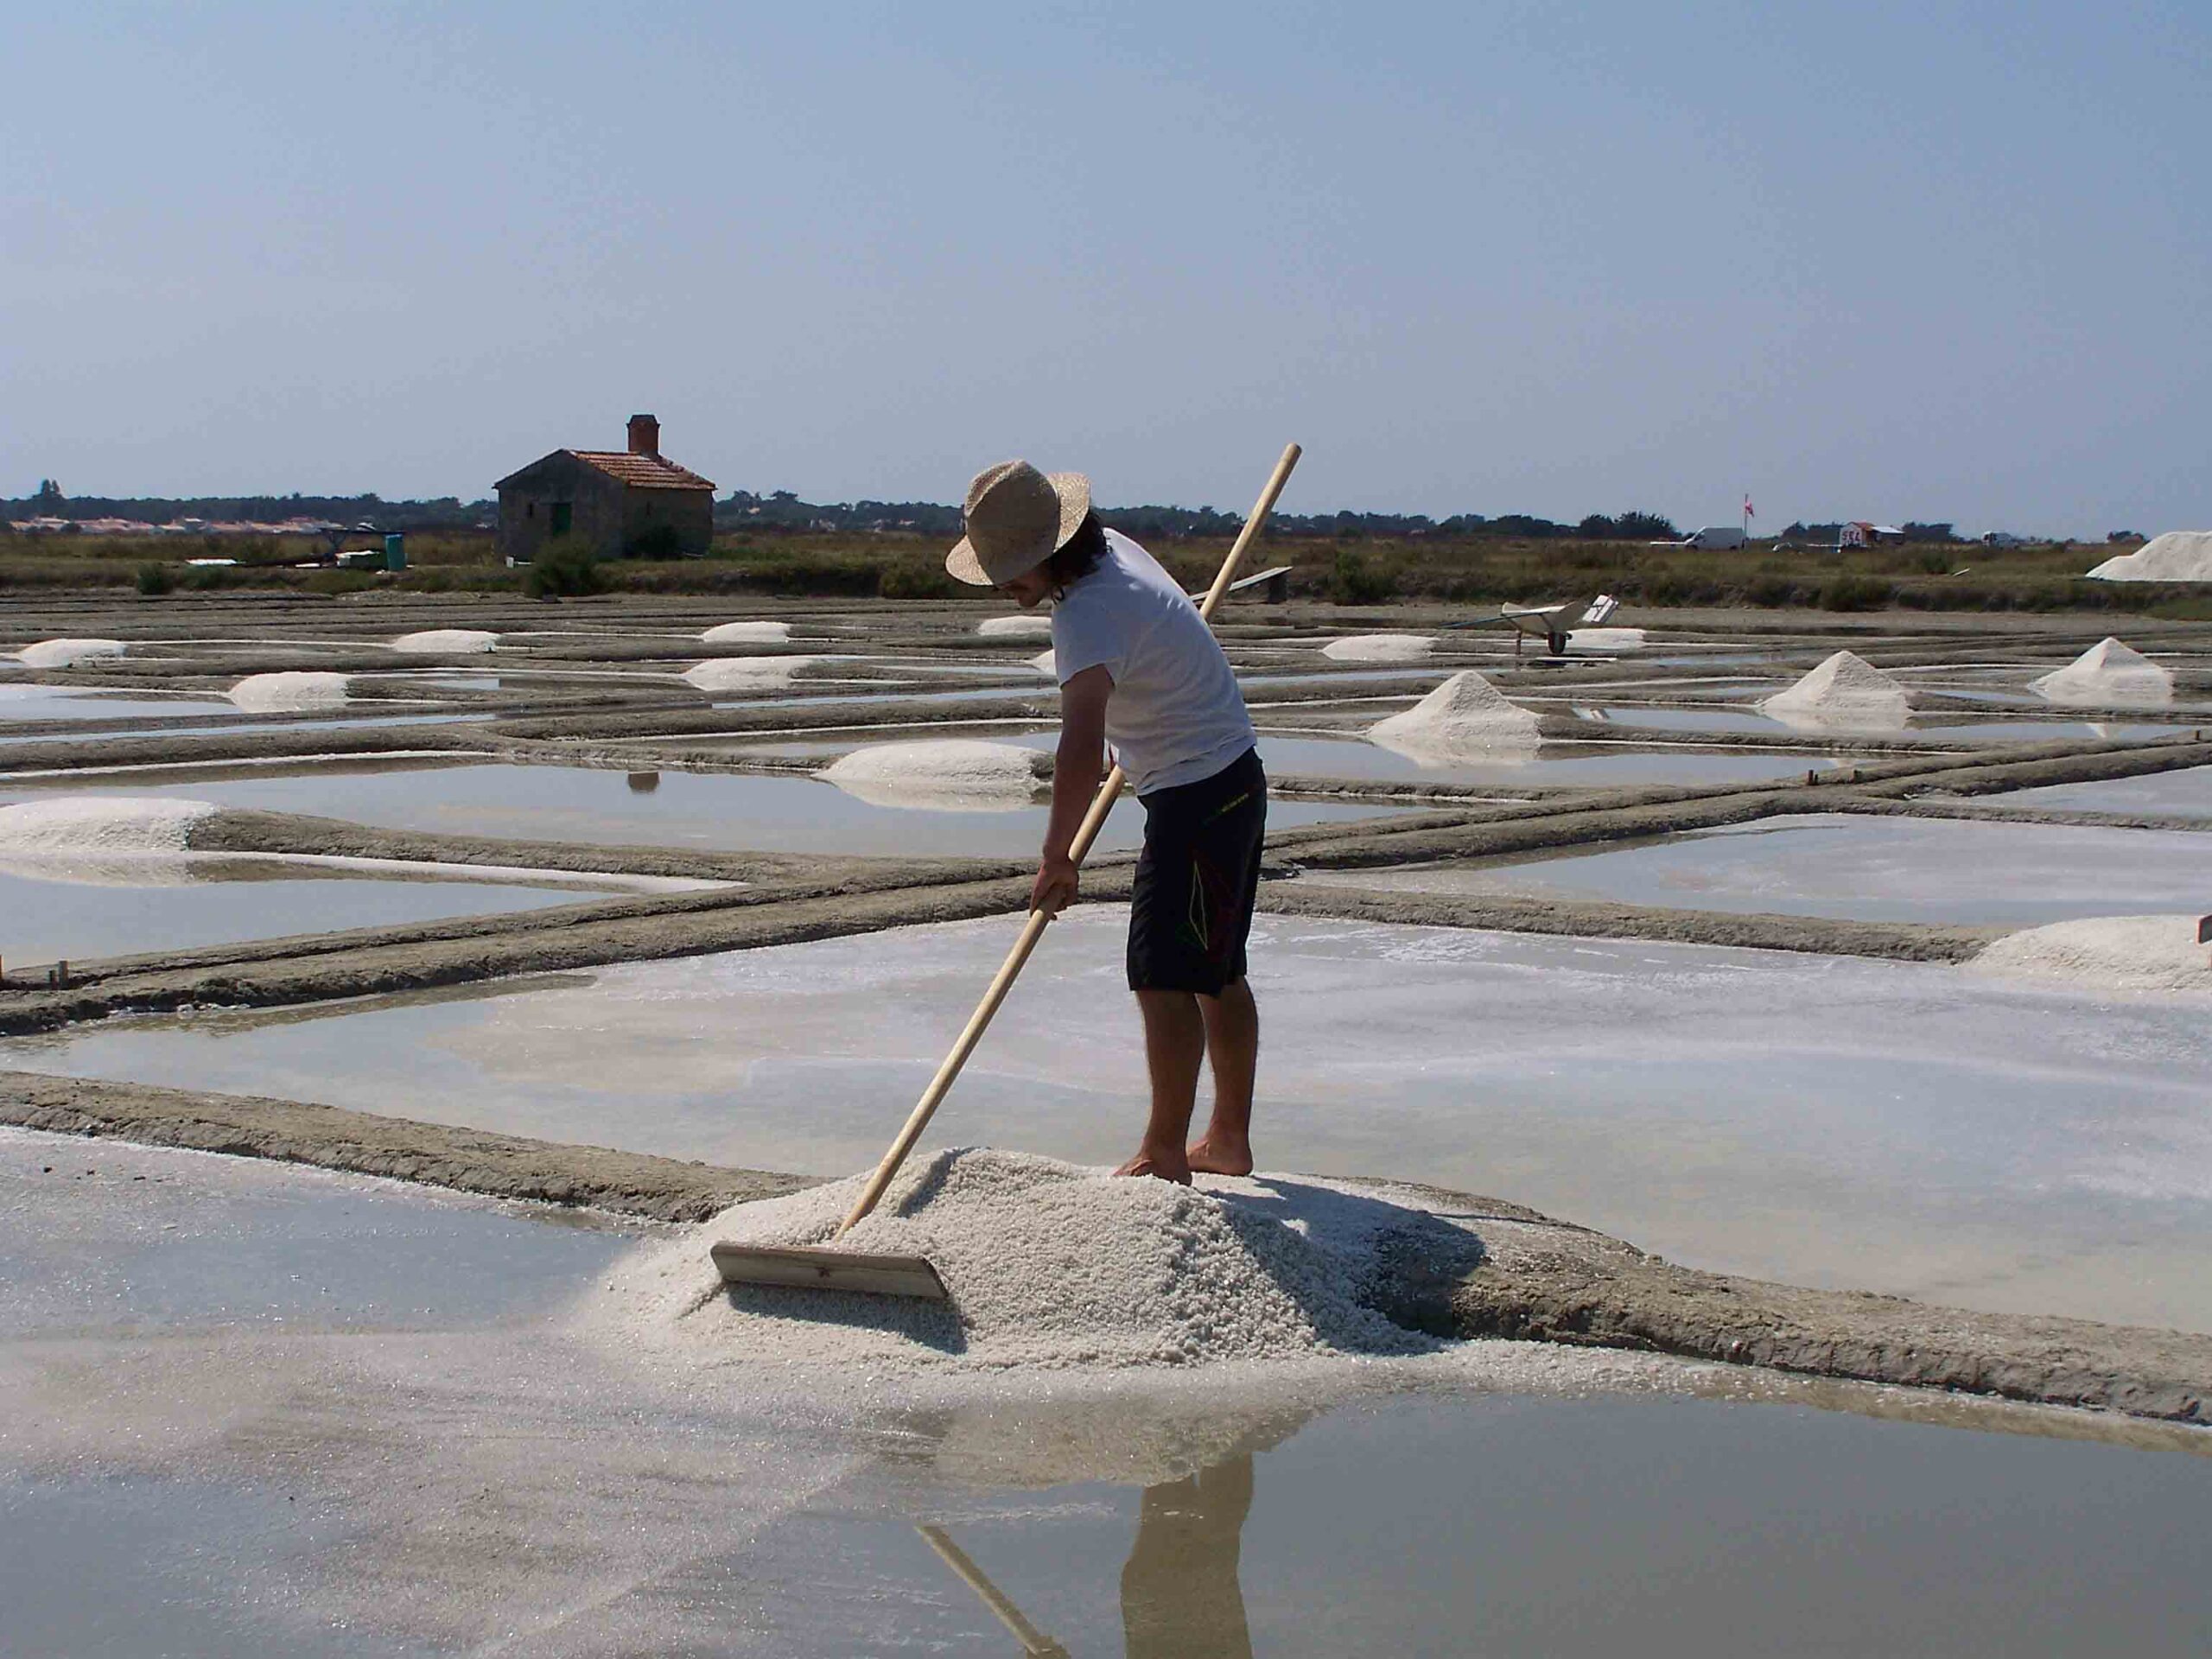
{"x": 644, "y": 471}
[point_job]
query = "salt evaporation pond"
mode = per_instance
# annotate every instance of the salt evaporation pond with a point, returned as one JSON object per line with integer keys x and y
{"x": 1356, "y": 759}
{"x": 104, "y": 1235}
{"x": 174, "y": 905}
{"x": 720, "y": 811}
{"x": 1909, "y": 1128}
{"x": 2185, "y": 792}
{"x": 276, "y": 1380}
{"x": 1896, "y": 869}
{"x": 36, "y": 702}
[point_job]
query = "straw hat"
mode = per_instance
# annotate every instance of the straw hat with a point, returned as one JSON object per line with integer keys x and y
{"x": 1017, "y": 519}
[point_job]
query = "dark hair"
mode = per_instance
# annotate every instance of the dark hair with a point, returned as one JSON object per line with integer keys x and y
{"x": 1078, "y": 555}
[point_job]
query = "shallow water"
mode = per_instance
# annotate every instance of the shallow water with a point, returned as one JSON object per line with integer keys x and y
{"x": 1901, "y": 1127}
{"x": 2185, "y": 792}
{"x": 28, "y": 704}
{"x": 104, "y": 1236}
{"x": 316, "y": 1414}
{"x": 221, "y": 901}
{"x": 1858, "y": 868}
{"x": 723, "y": 811}
{"x": 1355, "y": 759}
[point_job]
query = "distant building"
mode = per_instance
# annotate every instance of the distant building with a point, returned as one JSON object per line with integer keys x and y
{"x": 616, "y": 502}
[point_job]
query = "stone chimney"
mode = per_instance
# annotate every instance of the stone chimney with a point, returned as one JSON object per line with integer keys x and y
{"x": 644, "y": 435}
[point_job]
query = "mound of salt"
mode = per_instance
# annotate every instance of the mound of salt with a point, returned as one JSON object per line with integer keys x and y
{"x": 941, "y": 774}
{"x": 291, "y": 692}
{"x": 101, "y": 840}
{"x": 1027, "y": 625}
{"x": 1049, "y": 1265}
{"x": 2132, "y": 953}
{"x": 2108, "y": 674}
{"x": 1380, "y": 647}
{"x": 739, "y": 633}
{"x": 1845, "y": 691}
{"x": 62, "y": 653}
{"x": 1605, "y": 639}
{"x": 446, "y": 641}
{"x": 2177, "y": 555}
{"x": 755, "y": 673}
{"x": 1046, "y": 663}
{"x": 1465, "y": 718}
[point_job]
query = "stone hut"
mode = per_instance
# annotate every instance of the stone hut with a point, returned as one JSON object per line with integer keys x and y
{"x": 618, "y": 503}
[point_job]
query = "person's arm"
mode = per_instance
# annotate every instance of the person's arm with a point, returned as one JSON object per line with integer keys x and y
{"x": 1077, "y": 768}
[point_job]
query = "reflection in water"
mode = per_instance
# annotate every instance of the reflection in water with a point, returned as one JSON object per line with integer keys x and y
{"x": 643, "y": 782}
{"x": 1179, "y": 1591}
{"x": 1181, "y": 1597}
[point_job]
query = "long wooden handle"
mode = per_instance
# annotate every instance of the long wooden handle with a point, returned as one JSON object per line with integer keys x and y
{"x": 1033, "y": 929}
{"x": 1034, "y": 1641}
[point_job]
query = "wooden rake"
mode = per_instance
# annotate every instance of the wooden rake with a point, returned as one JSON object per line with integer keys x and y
{"x": 825, "y": 1268}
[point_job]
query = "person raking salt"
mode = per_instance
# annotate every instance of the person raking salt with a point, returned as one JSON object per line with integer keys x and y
{"x": 1139, "y": 669}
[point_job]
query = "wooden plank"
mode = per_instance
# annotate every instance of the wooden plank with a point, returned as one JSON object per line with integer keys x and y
{"x": 825, "y": 1269}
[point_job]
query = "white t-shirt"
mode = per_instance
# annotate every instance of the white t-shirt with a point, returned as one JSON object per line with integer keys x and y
{"x": 1176, "y": 715}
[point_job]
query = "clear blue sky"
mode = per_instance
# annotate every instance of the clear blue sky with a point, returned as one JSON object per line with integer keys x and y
{"x": 1928, "y": 261}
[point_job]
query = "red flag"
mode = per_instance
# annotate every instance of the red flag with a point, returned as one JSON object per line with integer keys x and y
{"x": 1748, "y": 514}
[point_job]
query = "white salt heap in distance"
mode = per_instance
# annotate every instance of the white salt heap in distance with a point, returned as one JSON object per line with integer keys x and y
{"x": 1049, "y": 1265}
{"x": 1380, "y": 647}
{"x": 2108, "y": 674}
{"x": 2128, "y": 953}
{"x": 294, "y": 691}
{"x": 1605, "y": 639}
{"x": 101, "y": 840}
{"x": 100, "y": 825}
{"x": 941, "y": 774}
{"x": 755, "y": 673}
{"x": 60, "y": 653}
{"x": 1026, "y": 626}
{"x": 1845, "y": 690}
{"x": 738, "y": 633}
{"x": 1046, "y": 663}
{"x": 446, "y": 641}
{"x": 1465, "y": 718}
{"x": 2177, "y": 555}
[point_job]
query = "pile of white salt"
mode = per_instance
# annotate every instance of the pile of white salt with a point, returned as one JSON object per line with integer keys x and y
{"x": 101, "y": 840}
{"x": 941, "y": 774}
{"x": 1845, "y": 691}
{"x": 454, "y": 642}
{"x": 1380, "y": 648}
{"x": 62, "y": 653}
{"x": 755, "y": 673}
{"x": 756, "y": 632}
{"x": 2108, "y": 675}
{"x": 1050, "y": 1266}
{"x": 1467, "y": 718}
{"x": 2131, "y": 953}
{"x": 295, "y": 692}
{"x": 2177, "y": 555}
{"x": 1026, "y": 624}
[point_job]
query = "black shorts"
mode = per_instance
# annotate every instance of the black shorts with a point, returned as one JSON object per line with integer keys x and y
{"x": 1191, "y": 911}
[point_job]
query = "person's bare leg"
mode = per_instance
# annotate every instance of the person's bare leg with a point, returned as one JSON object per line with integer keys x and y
{"x": 1233, "y": 1049}
{"x": 1174, "y": 1047}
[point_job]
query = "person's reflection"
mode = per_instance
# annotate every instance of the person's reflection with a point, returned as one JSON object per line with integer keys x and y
{"x": 1179, "y": 1593}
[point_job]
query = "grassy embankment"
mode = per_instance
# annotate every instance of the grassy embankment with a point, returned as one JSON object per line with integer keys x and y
{"x": 1472, "y": 569}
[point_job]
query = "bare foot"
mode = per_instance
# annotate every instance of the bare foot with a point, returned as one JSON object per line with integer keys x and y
{"x": 1205, "y": 1158}
{"x": 1146, "y": 1163}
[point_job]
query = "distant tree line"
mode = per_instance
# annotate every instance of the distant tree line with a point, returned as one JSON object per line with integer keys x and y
{"x": 444, "y": 512}
{"x": 781, "y": 510}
